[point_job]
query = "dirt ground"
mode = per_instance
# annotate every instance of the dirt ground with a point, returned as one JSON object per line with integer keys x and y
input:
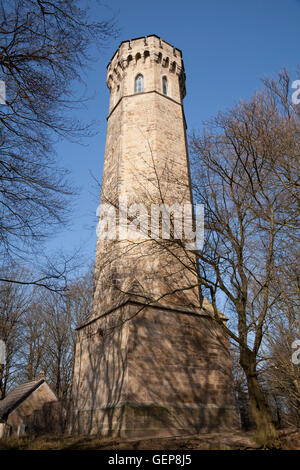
{"x": 237, "y": 440}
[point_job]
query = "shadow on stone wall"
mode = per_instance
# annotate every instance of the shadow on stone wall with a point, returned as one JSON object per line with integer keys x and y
{"x": 161, "y": 373}
{"x": 99, "y": 378}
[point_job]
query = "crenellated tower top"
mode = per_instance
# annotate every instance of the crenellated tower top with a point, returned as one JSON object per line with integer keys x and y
{"x": 143, "y": 65}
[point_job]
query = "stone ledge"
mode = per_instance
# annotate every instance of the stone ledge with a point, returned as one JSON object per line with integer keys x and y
{"x": 142, "y": 93}
{"x": 147, "y": 421}
{"x": 172, "y": 308}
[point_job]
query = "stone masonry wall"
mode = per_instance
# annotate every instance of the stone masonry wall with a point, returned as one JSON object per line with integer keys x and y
{"x": 145, "y": 161}
{"x": 153, "y": 372}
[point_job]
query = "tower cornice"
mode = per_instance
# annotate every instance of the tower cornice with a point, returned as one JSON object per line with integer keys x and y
{"x": 142, "y": 93}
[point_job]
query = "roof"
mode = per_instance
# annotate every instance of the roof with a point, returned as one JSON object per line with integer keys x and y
{"x": 17, "y": 396}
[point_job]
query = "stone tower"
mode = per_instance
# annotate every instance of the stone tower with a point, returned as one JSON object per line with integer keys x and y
{"x": 150, "y": 360}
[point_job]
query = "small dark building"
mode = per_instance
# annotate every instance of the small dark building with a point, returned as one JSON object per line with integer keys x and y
{"x": 23, "y": 402}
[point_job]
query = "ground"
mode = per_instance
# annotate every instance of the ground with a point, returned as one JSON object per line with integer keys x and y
{"x": 237, "y": 440}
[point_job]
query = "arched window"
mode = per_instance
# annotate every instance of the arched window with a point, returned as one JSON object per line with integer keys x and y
{"x": 139, "y": 84}
{"x": 165, "y": 85}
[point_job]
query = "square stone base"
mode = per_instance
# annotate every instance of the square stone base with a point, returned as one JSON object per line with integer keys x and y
{"x": 158, "y": 373}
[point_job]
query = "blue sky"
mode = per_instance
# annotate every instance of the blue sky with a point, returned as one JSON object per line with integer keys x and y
{"x": 227, "y": 47}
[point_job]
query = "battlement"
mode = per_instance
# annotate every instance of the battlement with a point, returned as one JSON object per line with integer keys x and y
{"x": 142, "y": 43}
{"x": 143, "y": 55}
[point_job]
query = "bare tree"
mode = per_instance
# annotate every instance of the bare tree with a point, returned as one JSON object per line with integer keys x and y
{"x": 44, "y": 47}
{"x": 62, "y": 313}
{"x": 15, "y": 302}
{"x": 78, "y": 302}
{"x": 34, "y": 339}
{"x": 248, "y": 214}
{"x": 282, "y": 372}
{"x": 38, "y": 329}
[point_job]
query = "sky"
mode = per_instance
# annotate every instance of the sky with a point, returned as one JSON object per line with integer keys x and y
{"x": 227, "y": 45}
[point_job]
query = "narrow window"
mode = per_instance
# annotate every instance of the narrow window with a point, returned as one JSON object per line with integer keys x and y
{"x": 165, "y": 85}
{"x": 139, "y": 84}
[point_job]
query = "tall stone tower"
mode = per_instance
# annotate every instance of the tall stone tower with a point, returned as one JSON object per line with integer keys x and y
{"x": 150, "y": 360}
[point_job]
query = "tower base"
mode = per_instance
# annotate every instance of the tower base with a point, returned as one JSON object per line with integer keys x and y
{"x": 150, "y": 372}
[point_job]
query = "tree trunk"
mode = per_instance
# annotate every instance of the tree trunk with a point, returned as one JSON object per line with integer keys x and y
{"x": 266, "y": 432}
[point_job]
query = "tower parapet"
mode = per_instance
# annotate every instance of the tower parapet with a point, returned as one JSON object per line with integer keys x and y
{"x": 158, "y": 62}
